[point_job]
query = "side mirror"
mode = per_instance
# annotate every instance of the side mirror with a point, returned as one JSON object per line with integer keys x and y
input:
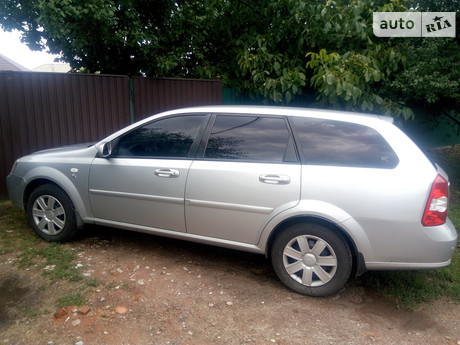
{"x": 105, "y": 149}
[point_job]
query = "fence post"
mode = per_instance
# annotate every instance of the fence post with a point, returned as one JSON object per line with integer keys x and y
{"x": 131, "y": 99}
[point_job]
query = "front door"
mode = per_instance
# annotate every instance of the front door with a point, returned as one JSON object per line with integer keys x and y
{"x": 142, "y": 183}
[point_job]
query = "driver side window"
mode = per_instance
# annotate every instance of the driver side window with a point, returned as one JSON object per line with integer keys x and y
{"x": 170, "y": 137}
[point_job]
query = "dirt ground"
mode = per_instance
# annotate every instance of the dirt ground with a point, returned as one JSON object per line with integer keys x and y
{"x": 152, "y": 290}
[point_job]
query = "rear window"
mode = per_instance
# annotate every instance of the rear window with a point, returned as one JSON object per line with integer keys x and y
{"x": 338, "y": 143}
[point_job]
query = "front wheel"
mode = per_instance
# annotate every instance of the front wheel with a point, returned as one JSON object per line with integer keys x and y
{"x": 311, "y": 259}
{"x": 51, "y": 213}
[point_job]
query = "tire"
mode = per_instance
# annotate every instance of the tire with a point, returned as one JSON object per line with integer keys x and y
{"x": 311, "y": 259}
{"x": 51, "y": 214}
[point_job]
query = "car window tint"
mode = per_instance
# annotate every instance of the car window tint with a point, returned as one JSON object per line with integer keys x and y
{"x": 170, "y": 137}
{"x": 326, "y": 142}
{"x": 250, "y": 138}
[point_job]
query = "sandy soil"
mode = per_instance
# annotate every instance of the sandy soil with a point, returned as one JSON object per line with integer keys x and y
{"x": 153, "y": 290}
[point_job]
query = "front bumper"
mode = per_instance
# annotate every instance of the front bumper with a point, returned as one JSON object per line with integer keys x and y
{"x": 15, "y": 186}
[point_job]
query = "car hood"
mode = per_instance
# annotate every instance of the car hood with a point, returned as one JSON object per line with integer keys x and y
{"x": 67, "y": 148}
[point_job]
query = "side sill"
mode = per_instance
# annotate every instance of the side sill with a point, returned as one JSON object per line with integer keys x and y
{"x": 182, "y": 236}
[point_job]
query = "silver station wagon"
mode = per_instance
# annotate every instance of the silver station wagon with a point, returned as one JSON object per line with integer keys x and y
{"x": 323, "y": 194}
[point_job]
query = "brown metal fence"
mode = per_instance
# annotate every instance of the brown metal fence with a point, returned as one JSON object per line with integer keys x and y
{"x": 152, "y": 96}
{"x": 44, "y": 110}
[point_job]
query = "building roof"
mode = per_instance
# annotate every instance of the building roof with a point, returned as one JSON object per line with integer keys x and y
{"x": 53, "y": 67}
{"x": 6, "y": 64}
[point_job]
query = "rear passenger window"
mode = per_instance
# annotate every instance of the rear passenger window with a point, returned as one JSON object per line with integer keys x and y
{"x": 250, "y": 138}
{"x": 327, "y": 142}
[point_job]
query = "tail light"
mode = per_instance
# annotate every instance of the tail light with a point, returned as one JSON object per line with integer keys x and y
{"x": 436, "y": 206}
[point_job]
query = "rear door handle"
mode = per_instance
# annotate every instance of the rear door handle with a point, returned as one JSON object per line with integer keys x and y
{"x": 275, "y": 179}
{"x": 167, "y": 173}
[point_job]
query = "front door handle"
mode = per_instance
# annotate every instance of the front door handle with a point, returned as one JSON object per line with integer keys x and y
{"x": 275, "y": 179}
{"x": 167, "y": 173}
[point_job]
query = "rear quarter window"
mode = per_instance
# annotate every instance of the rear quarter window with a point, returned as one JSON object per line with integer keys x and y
{"x": 339, "y": 143}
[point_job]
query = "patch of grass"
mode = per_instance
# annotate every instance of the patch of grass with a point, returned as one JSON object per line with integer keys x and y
{"x": 17, "y": 237}
{"x": 125, "y": 286}
{"x": 17, "y": 240}
{"x": 15, "y": 233}
{"x": 454, "y": 215}
{"x": 93, "y": 282}
{"x": 72, "y": 299}
{"x": 111, "y": 285}
{"x": 410, "y": 288}
{"x": 31, "y": 312}
{"x": 27, "y": 258}
{"x": 62, "y": 259}
{"x": 56, "y": 259}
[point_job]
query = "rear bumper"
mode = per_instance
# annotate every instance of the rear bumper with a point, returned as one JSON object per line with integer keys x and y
{"x": 436, "y": 251}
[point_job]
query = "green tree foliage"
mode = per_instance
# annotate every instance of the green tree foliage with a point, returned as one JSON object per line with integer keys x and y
{"x": 430, "y": 83}
{"x": 111, "y": 36}
{"x": 433, "y": 73}
{"x": 353, "y": 66}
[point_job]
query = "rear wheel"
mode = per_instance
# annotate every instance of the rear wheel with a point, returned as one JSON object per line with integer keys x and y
{"x": 311, "y": 259}
{"x": 51, "y": 213}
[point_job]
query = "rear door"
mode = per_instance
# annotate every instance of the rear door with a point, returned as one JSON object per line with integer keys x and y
{"x": 249, "y": 172}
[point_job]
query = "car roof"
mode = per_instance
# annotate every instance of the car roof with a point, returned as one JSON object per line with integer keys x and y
{"x": 279, "y": 110}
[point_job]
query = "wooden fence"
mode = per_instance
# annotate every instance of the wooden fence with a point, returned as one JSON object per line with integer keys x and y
{"x": 44, "y": 110}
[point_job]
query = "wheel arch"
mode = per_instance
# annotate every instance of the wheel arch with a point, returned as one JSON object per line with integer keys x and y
{"x": 40, "y": 181}
{"x": 358, "y": 262}
{"x": 34, "y": 184}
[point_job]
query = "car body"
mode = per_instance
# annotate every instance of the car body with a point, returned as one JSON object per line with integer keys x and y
{"x": 322, "y": 193}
